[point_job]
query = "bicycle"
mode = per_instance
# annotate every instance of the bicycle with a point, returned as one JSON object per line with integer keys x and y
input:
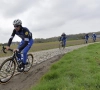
{"x": 86, "y": 41}
{"x": 8, "y": 66}
{"x": 94, "y": 39}
{"x": 61, "y": 45}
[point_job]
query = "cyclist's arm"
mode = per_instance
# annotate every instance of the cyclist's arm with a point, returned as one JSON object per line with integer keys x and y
{"x": 66, "y": 36}
{"x": 26, "y": 40}
{"x": 11, "y": 38}
{"x": 59, "y": 38}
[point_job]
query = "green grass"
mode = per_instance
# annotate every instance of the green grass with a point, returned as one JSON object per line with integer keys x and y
{"x": 77, "y": 70}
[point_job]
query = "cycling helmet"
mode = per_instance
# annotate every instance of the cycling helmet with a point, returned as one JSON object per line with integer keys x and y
{"x": 17, "y": 22}
{"x": 63, "y": 33}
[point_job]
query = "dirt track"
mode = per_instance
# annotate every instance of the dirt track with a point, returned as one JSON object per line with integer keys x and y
{"x": 42, "y": 62}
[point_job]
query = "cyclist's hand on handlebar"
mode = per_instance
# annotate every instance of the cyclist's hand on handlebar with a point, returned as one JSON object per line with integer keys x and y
{"x": 7, "y": 47}
{"x": 15, "y": 50}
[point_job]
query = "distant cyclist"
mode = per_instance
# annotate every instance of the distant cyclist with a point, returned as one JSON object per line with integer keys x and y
{"x": 86, "y": 38}
{"x": 94, "y": 37}
{"x": 26, "y": 42}
{"x": 63, "y": 38}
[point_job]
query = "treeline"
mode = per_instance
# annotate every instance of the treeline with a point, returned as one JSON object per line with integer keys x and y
{"x": 52, "y": 39}
{"x": 69, "y": 37}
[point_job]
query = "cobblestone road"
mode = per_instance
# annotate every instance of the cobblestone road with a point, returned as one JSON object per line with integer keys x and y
{"x": 41, "y": 56}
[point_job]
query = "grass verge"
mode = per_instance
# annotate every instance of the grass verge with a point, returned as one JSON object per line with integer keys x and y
{"x": 77, "y": 70}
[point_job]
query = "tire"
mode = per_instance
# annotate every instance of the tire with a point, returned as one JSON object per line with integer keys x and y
{"x": 30, "y": 59}
{"x": 7, "y": 70}
{"x": 60, "y": 46}
{"x": 63, "y": 46}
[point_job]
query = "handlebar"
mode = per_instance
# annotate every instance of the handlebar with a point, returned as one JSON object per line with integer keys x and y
{"x": 3, "y": 49}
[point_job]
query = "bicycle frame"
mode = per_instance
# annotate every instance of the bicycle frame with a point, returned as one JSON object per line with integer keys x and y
{"x": 61, "y": 45}
{"x": 94, "y": 39}
{"x": 13, "y": 57}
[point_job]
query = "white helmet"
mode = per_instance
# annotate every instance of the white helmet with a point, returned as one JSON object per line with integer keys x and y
{"x": 17, "y": 22}
{"x": 63, "y": 33}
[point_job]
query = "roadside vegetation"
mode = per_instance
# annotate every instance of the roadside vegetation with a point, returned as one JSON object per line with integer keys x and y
{"x": 76, "y": 70}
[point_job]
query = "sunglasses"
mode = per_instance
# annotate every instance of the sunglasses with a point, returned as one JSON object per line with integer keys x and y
{"x": 16, "y": 25}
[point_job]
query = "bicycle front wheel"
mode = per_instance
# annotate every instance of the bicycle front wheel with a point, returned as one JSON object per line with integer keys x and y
{"x": 30, "y": 59}
{"x": 60, "y": 45}
{"x": 7, "y": 70}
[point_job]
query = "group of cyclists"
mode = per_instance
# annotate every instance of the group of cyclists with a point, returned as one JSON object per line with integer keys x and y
{"x": 27, "y": 40}
{"x": 94, "y": 36}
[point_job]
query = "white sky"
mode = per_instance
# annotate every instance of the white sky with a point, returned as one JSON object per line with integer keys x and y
{"x": 49, "y": 18}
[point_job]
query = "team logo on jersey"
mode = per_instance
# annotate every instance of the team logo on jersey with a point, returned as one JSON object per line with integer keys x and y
{"x": 26, "y": 33}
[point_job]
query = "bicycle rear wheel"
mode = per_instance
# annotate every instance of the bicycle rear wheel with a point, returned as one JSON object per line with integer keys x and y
{"x": 30, "y": 59}
{"x": 7, "y": 70}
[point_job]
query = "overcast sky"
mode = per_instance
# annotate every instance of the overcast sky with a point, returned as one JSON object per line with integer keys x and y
{"x": 49, "y": 18}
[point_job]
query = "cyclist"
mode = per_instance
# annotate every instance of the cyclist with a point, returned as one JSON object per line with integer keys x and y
{"x": 63, "y": 38}
{"x": 94, "y": 37}
{"x": 86, "y": 38}
{"x": 26, "y": 42}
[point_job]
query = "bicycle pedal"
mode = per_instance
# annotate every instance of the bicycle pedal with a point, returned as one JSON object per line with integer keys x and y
{"x": 20, "y": 69}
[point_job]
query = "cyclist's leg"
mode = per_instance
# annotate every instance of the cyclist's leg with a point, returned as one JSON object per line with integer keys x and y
{"x": 65, "y": 43}
{"x": 86, "y": 40}
{"x": 19, "y": 55}
{"x": 95, "y": 38}
{"x": 62, "y": 43}
{"x": 26, "y": 49}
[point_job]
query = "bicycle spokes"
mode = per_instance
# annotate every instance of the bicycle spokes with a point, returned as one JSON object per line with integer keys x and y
{"x": 7, "y": 70}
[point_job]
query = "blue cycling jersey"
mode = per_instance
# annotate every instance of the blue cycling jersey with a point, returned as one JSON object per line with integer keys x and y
{"x": 94, "y": 35}
{"x": 24, "y": 34}
{"x": 63, "y": 37}
{"x": 86, "y": 36}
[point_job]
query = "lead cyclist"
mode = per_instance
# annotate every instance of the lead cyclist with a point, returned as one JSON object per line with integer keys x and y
{"x": 26, "y": 43}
